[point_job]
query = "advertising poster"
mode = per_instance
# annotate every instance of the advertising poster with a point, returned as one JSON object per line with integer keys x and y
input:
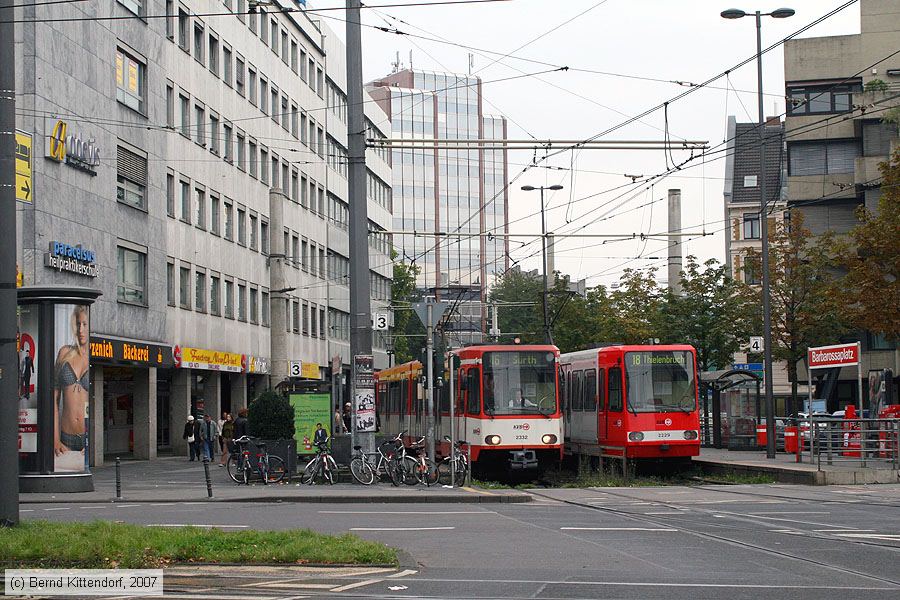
{"x": 879, "y": 386}
{"x": 310, "y": 409}
{"x": 365, "y": 410}
{"x": 71, "y": 386}
{"x": 28, "y": 376}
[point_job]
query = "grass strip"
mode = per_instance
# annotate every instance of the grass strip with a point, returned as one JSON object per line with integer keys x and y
{"x": 102, "y": 544}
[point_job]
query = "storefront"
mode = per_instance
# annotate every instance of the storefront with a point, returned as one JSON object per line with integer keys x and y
{"x": 130, "y": 386}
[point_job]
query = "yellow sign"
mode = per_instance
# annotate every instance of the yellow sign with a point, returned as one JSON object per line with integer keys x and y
{"x": 24, "y": 188}
{"x": 199, "y": 358}
{"x": 309, "y": 370}
{"x": 58, "y": 141}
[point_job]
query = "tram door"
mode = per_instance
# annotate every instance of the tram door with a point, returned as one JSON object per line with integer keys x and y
{"x": 601, "y": 407}
{"x": 591, "y": 416}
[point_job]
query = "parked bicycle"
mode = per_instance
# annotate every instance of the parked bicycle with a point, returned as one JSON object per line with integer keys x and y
{"x": 240, "y": 465}
{"x": 322, "y": 464}
{"x": 458, "y": 458}
{"x": 416, "y": 466}
{"x": 367, "y": 468}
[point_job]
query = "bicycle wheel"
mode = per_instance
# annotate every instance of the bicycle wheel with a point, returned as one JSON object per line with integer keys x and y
{"x": 263, "y": 468}
{"x": 329, "y": 469}
{"x": 246, "y": 471}
{"x": 428, "y": 473}
{"x": 276, "y": 469}
{"x": 309, "y": 473}
{"x": 233, "y": 467}
{"x": 362, "y": 471}
{"x": 408, "y": 468}
{"x": 394, "y": 471}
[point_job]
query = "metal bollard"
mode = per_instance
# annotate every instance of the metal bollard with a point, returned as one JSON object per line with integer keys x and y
{"x": 208, "y": 480}
{"x": 118, "y": 479}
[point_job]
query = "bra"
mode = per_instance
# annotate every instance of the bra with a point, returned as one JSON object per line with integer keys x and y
{"x": 66, "y": 377}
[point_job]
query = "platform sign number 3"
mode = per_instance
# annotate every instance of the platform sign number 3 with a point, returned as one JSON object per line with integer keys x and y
{"x": 380, "y": 321}
{"x": 756, "y": 344}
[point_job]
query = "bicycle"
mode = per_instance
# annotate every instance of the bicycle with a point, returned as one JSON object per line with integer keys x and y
{"x": 386, "y": 463}
{"x": 416, "y": 466}
{"x": 445, "y": 467}
{"x": 240, "y": 468}
{"x": 322, "y": 463}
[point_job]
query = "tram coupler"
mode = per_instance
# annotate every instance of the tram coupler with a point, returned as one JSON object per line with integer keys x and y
{"x": 521, "y": 460}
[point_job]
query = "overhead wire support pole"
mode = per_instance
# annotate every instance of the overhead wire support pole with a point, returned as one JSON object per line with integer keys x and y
{"x": 9, "y": 363}
{"x": 360, "y": 306}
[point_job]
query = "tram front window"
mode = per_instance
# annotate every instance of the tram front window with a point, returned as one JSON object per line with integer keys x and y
{"x": 660, "y": 381}
{"x": 519, "y": 383}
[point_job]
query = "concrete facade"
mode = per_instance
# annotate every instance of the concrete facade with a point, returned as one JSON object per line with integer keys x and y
{"x": 196, "y": 119}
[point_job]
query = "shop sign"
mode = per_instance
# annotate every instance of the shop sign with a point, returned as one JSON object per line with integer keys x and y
{"x": 72, "y": 149}
{"x": 257, "y": 365}
{"x": 106, "y": 349}
{"x": 309, "y": 370}
{"x": 75, "y": 259}
{"x": 200, "y": 358}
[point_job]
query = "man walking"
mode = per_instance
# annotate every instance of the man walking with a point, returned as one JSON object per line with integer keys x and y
{"x": 209, "y": 433}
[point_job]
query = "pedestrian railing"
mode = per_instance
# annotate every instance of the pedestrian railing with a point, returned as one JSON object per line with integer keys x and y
{"x": 864, "y": 442}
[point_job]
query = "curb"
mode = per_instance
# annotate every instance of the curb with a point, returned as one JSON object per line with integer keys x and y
{"x": 473, "y": 499}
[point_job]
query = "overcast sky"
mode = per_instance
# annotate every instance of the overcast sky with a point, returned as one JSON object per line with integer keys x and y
{"x": 683, "y": 40}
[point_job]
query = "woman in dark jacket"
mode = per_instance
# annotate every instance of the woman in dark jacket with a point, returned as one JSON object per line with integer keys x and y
{"x": 192, "y": 436}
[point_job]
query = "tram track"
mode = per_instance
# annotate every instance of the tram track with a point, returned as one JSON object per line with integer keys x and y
{"x": 724, "y": 539}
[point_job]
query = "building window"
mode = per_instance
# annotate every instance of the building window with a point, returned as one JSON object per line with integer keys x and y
{"x": 228, "y": 142}
{"x": 215, "y": 301}
{"x": 229, "y": 221}
{"x": 264, "y": 237}
{"x": 253, "y": 232}
{"x": 303, "y": 66}
{"x": 131, "y": 275}
{"x": 200, "y": 291}
{"x": 274, "y": 105}
{"x": 185, "y": 105}
{"x": 229, "y": 299}
{"x": 170, "y": 194}
{"x": 170, "y": 106}
{"x": 294, "y": 55}
{"x": 263, "y": 95}
{"x": 273, "y": 40}
{"x": 264, "y": 318}
{"x": 131, "y": 178}
{"x": 200, "y": 221}
{"x": 242, "y": 226}
{"x": 214, "y": 134}
{"x": 200, "y": 124}
{"x": 296, "y": 320}
{"x": 198, "y": 42}
{"x": 242, "y": 302}
{"x": 878, "y": 341}
{"x": 252, "y": 163}
{"x": 322, "y": 322}
{"x": 295, "y": 251}
{"x": 241, "y": 152}
{"x": 251, "y": 85}
{"x": 213, "y": 214}
{"x": 239, "y": 74}
{"x": 184, "y": 22}
{"x": 131, "y": 81}
{"x": 809, "y": 100}
{"x": 752, "y": 270}
{"x": 185, "y": 201}
{"x": 751, "y": 226}
{"x": 254, "y": 304}
{"x": 304, "y": 318}
{"x": 184, "y": 287}
{"x": 170, "y": 283}
{"x": 295, "y": 120}
{"x": 264, "y": 165}
{"x": 170, "y": 19}
{"x": 821, "y": 158}
{"x": 284, "y": 47}
{"x": 214, "y": 54}
{"x": 227, "y": 77}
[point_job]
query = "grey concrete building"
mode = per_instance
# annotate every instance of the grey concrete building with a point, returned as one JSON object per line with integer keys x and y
{"x": 839, "y": 88}
{"x": 190, "y": 122}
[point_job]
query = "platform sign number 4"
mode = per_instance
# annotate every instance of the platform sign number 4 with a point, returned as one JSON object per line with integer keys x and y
{"x": 756, "y": 344}
{"x": 380, "y": 321}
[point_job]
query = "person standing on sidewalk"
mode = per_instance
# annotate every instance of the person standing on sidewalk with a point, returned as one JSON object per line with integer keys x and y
{"x": 192, "y": 437}
{"x": 240, "y": 424}
{"x": 338, "y": 427}
{"x": 209, "y": 432}
{"x": 226, "y": 436}
{"x": 220, "y": 440}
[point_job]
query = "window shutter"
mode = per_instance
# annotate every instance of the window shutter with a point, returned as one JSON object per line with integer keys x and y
{"x": 132, "y": 166}
{"x": 842, "y": 156}
{"x": 807, "y": 159}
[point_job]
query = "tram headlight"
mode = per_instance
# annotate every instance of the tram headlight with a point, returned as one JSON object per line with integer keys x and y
{"x": 690, "y": 434}
{"x": 492, "y": 440}
{"x": 636, "y": 436}
{"x": 548, "y": 438}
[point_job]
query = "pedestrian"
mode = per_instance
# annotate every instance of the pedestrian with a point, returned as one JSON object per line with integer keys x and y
{"x": 346, "y": 417}
{"x": 227, "y": 436}
{"x": 338, "y": 426}
{"x": 240, "y": 424}
{"x": 192, "y": 437}
{"x": 221, "y": 440}
{"x": 209, "y": 432}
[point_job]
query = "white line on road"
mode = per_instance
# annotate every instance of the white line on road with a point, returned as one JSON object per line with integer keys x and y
{"x": 126, "y": 505}
{"x": 399, "y": 528}
{"x": 654, "y": 584}
{"x": 164, "y": 504}
{"x": 195, "y": 525}
{"x": 617, "y": 529}
{"x": 792, "y": 512}
{"x": 358, "y": 584}
{"x": 842, "y": 529}
{"x": 663, "y": 513}
{"x": 26, "y": 510}
{"x": 66, "y": 508}
{"x": 404, "y": 512}
{"x": 875, "y": 536}
{"x": 403, "y": 573}
{"x": 94, "y": 507}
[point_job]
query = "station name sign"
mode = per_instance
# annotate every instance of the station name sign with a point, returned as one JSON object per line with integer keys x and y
{"x": 74, "y": 259}
{"x": 841, "y": 355}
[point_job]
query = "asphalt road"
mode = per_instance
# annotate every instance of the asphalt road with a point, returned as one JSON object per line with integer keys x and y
{"x": 759, "y": 542}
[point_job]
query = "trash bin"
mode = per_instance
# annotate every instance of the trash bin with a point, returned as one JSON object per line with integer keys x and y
{"x": 761, "y": 437}
{"x": 790, "y": 439}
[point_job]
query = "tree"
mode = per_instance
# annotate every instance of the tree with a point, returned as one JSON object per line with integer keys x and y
{"x": 714, "y": 313}
{"x": 271, "y": 417}
{"x": 523, "y": 289}
{"x": 403, "y": 288}
{"x": 637, "y": 304}
{"x": 872, "y": 283}
{"x": 806, "y": 309}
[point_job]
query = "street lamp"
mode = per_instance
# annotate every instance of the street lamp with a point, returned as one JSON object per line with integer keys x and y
{"x": 781, "y": 13}
{"x": 548, "y": 337}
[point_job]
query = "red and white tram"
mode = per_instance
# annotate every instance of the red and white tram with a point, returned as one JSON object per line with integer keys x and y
{"x": 507, "y": 408}
{"x": 640, "y": 401}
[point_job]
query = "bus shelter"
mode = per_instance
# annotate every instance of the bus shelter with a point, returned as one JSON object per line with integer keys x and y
{"x": 731, "y": 409}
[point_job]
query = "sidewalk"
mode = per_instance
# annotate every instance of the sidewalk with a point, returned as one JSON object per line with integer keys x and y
{"x": 786, "y": 470}
{"x": 174, "y": 479}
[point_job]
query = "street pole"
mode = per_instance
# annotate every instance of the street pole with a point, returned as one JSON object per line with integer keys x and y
{"x": 452, "y": 419}
{"x": 360, "y": 308}
{"x": 548, "y": 337}
{"x": 429, "y": 382}
{"x": 9, "y": 363}
{"x": 764, "y": 234}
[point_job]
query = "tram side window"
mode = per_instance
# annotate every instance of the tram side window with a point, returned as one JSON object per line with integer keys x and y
{"x": 394, "y": 397}
{"x": 444, "y": 392}
{"x": 403, "y": 404}
{"x": 473, "y": 392}
{"x": 578, "y": 392}
{"x": 615, "y": 389}
{"x": 590, "y": 391}
{"x": 600, "y": 388}
{"x": 562, "y": 391}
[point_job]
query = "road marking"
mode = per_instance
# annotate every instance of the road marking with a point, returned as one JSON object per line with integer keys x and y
{"x": 164, "y": 504}
{"x": 358, "y": 584}
{"x": 403, "y": 573}
{"x": 659, "y": 584}
{"x": 616, "y": 529}
{"x": 126, "y": 505}
{"x": 195, "y": 525}
{"x": 95, "y": 507}
{"x": 400, "y": 528}
{"x": 26, "y": 510}
{"x": 663, "y": 513}
{"x": 66, "y": 508}
{"x": 794, "y": 512}
{"x": 842, "y": 529}
{"x": 404, "y": 512}
{"x": 874, "y": 536}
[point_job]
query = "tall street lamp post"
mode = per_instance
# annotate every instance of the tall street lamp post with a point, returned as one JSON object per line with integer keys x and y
{"x": 548, "y": 337}
{"x": 781, "y": 13}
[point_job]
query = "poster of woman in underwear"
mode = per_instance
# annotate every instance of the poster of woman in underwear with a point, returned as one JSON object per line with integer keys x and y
{"x": 71, "y": 386}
